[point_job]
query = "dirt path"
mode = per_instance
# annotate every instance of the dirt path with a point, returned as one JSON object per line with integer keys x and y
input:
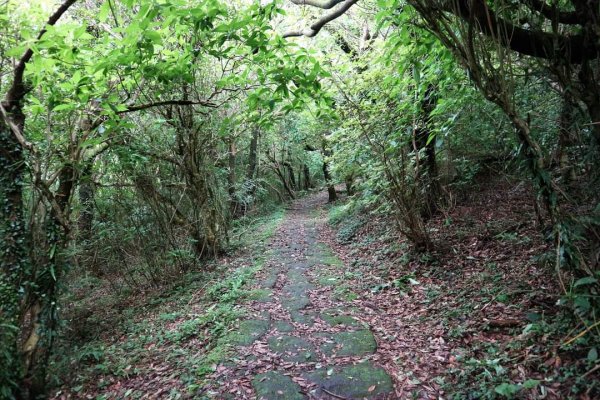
{"x": 300, "y": 341}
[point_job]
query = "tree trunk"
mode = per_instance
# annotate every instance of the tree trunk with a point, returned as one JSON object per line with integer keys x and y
{"x": 428, "y": 172}
{"x": 332, "y": 195}
{"x": 87, "y": 194}
{"x": 44, "y": 301}
{"x": 349, "y": 180}
{"x": 292, "y": 178}
{"x": 567, "y": 137}
{"x": 234, "y": 204}
{"x": 307, "y": 182}
{"x": 535, "y": 160}
{"x": 253, "y": 156}
{"x": 252, "y": 169}
{"x": 284, "y": 182}
{"x": 14, "y": 244}
{"x": 280, "y": 171}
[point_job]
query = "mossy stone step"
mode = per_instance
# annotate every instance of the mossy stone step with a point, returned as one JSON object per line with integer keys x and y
{"x": 299, "y": 265}
{"x": 250, "y": 330}
{"x": 283, "y": 326}
{"x": 357, "y": 343}
{"x": 295, "y": 303}
{"x": 261, "y": 295}
{"x": 270, "y": 280}
{"x": 300, "y": 317}
{"x": 361, "y": 381}
{"x": 293, "y": 348}
{"x": 273, "y": 385}
{"x": 298, "y": 287}
{"x": 334, "y": 318}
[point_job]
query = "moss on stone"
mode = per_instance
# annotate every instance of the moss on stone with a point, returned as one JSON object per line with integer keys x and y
{"x": 355, "y": 343}
{"x": 353, "y": 382}
{"x": 261, "y": 295}
{"x": 248, "y": 331}
{"x": 295, "y": 303}
{"x": 283, "y": 326}
{"x": 302, "y": 317}
{"x": 333, "y": 318}
{"x": 273, "y": 385}
{"x": 292, "y": 348}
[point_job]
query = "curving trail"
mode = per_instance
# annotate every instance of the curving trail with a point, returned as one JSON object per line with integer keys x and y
{"x": 301, "y": 341}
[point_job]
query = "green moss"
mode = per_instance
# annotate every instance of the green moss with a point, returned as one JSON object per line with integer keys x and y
{"x": 274, "y": 385}
{"x": 260, "y": 295}
{"x": 283, "y": 326}
{"x": 292, "y": 348}
{"x": 356, "y": 343}
{"x": 355, "y": 381}
{"x": 248, "y": 331}
{"x": 344, "y": 293}
{"x": 333, "y": 318}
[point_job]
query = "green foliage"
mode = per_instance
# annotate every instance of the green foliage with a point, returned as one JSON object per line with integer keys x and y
{"x": 213, "y": 323}
{"x": 509, "y": 390}
{"x": 136, "y": 164}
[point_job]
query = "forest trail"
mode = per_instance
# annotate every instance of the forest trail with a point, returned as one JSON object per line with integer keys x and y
{"x": 301, "y": 341}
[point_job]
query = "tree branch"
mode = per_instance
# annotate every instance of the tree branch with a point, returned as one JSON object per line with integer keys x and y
{"x": 321, "y": 22}
{"x": 551, "y": 13}
{"x": 17, "y": 90}
{"x": 167, "y": 103}
{"x": 573, "y": 48}
{"x": 15, "y": 130}
{"x": 326, "y": 5}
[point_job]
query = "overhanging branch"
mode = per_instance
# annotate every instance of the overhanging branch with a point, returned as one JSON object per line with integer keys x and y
{"x": 537, "y": 43}
{"x": 168, "y": 103}
{"x": 552, "y": 13}
{"x": 321, "y": 22}
{"x": 326, "y": 5}
{"x": 17, "y": 90}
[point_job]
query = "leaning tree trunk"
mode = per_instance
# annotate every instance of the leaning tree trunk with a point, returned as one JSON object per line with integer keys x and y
{"x": 14, "y": 244}
{"x": 43, "y": 302}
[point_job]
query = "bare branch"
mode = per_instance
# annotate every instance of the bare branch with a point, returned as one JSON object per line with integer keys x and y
{"x": 326, "y": 5}
{"x": 15, "y": 130}
{"x": 321, "y": 22}
{"x": 167, "y": 103}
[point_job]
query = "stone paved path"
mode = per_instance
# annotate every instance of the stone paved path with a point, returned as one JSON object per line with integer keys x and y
{"x": 300, "y": 341}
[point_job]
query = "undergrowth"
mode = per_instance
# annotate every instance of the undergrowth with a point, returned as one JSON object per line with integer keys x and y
{"x": 185, "y": 328}
{"x": 485, "y": 271}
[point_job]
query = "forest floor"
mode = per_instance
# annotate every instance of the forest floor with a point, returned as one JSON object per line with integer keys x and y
{"x": 327, "y": 302}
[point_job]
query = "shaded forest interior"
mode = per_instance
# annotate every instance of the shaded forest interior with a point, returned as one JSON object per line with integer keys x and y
{"x": 174, "y": 173}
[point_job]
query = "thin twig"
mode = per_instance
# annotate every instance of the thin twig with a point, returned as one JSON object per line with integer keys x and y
{"x": 582, "y": 333}
{"x": 333, "y": 394}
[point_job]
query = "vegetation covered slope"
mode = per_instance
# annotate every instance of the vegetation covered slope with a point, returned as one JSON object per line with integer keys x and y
{"x": 140, "y": 139}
